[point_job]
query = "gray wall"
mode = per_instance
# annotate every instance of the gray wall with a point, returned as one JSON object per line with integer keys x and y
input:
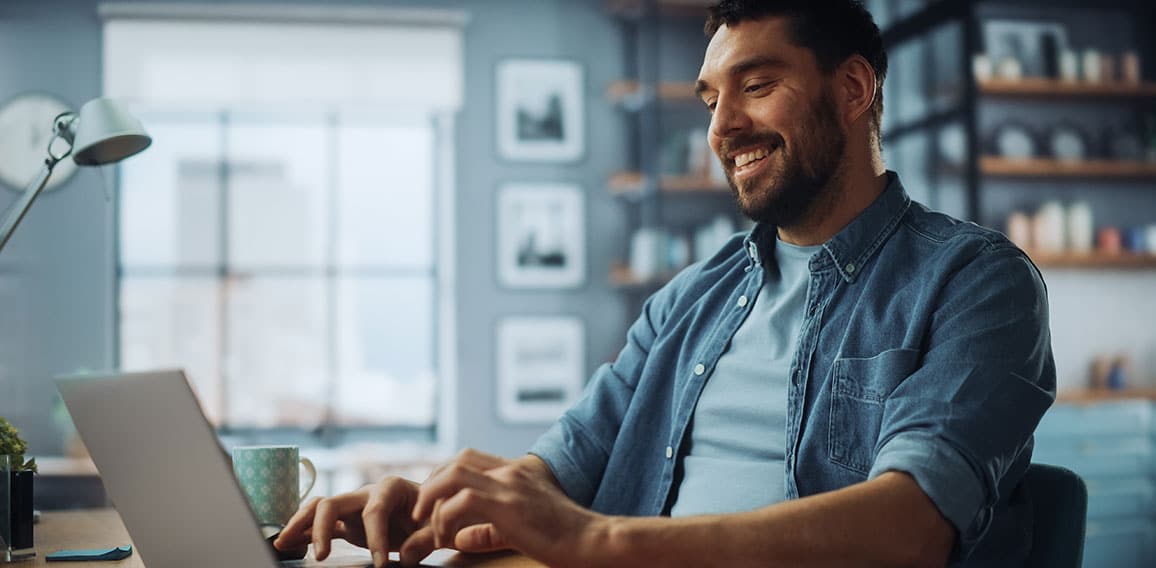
{"x": 56, "y": 276}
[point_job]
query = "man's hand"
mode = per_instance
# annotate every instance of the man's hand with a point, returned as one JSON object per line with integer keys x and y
{"x": 377, "y": 517}
{"x": 380, "y": 516}
{"x": 480, "y": 501}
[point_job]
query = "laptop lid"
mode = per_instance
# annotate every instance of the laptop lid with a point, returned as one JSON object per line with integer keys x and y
{"x": 162, "y": 466}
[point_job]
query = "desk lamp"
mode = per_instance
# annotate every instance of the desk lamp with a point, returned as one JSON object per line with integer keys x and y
{"x": 102, "y": 133}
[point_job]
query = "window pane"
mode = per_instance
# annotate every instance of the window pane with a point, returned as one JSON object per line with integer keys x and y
{"x": 385, "y": 351}
{"x": 277, "y": 345}
{"x": 385, "y": 195}
{"x": 170, "y": 195}
{"x": 278, "y": 198}
{"x": 174, "y": 323}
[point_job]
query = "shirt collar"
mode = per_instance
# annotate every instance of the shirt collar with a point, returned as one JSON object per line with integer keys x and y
{"x": 853, "y": 246}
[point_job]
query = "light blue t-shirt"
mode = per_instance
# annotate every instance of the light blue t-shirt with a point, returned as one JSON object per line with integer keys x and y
{"x": 734, "y": 461}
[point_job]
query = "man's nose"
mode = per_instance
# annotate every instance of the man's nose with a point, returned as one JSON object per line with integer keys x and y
{"x": 728, "y": 119}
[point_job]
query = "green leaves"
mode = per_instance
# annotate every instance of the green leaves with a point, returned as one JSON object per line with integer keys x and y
{"x": 13, "y": 445}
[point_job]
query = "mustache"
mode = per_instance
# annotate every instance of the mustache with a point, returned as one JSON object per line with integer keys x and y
{"x": 772, "y": 139}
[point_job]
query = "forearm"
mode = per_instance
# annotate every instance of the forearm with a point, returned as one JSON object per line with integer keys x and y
{"x": 885, "y": 522}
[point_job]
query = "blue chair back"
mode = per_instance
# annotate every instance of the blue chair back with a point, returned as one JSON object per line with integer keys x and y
{"x": 1059, "y": 501}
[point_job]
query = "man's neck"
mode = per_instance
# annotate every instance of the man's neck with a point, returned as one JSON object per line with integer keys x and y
{"x": 851, "y": 192}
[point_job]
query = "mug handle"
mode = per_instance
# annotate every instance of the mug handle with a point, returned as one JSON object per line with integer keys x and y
{"x": 312, "y": 471}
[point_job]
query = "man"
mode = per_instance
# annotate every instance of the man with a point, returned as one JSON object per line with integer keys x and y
{"x": 854, "y": 383}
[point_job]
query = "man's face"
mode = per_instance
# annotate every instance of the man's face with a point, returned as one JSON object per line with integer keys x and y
{"x": 774, "y": 122}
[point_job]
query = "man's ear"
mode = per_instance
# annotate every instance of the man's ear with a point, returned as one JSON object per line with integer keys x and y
{"x": 855, "y": 88}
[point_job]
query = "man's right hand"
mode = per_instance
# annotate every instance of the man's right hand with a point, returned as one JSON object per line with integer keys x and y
{"x": 377, "y": 517}
{"x": 380, "y": 517}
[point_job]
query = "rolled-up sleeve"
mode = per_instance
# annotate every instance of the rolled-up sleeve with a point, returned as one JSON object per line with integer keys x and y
{"x": 987, "y": 376}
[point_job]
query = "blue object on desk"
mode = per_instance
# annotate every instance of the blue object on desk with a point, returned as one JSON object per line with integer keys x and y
{"x": 93, "y": 555}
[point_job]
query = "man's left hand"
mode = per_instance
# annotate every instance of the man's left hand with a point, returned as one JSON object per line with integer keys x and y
{"x": 471, "y": 505}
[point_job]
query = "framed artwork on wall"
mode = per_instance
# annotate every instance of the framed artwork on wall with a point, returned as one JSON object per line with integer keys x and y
{"x": 541, "y": 236}
{"x": 540, "y": 367}
{"x": 540, "y": 110}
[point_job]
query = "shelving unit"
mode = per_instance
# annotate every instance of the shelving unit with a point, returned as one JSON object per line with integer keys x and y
{"x": 633, "y": 183}
{"x": 626, "y": 92}
{"x": 621, "y": 277}
{"x": 1046, "y": 167}
{"x": 1036, "y": 87}
{"x": 1093, "y": 260}
{"x": 972, "y": 94}
{"x": 1090, "y": 396}
{"x": 659, "y": 105}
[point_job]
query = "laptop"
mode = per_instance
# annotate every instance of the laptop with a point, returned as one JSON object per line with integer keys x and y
{"x": 167, "y": 474}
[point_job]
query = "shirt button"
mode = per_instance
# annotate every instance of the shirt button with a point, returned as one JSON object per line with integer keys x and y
{"x": 850, "y": 268}
{"x": 669, "y": 452}
{"x": 699, "y": 369}
{"x": 742, "y": 301}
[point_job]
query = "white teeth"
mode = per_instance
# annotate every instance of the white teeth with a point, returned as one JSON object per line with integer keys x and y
{"x": 744, "y": 159}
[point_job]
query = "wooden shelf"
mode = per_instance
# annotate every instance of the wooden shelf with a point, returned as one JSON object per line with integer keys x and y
{"x": 1093, "y": 260}
{"x": 631, "y": 183}
{"x": 1088, "y": 396}
{"x": 1053, "y": 88}
{"x": 622, "y": 91}
{"x": 622, "y": 277}
{"x": 1043, "y": 167}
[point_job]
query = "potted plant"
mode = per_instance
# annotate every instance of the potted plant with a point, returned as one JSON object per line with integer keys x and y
{"x": 20, "y": 487}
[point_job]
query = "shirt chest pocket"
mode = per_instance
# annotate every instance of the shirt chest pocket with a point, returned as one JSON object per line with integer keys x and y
{"x": 860, "y": 387}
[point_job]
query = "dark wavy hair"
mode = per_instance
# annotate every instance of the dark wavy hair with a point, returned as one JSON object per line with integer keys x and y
{"x": 832, "y": 29}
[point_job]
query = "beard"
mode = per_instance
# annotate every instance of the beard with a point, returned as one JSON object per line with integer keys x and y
{"x": 787, "y": 191}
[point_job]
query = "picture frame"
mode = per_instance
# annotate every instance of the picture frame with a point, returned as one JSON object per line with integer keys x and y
{"x": 1035, "y": 45}
{"x": 540, "y": 110}
{"x": 540, "y": 367}
{"x": 541, "y": 235}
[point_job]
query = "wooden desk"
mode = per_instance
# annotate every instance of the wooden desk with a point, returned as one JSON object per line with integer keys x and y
{"x": 102, "y": 528}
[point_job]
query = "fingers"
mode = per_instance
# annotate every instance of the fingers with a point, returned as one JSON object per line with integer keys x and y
{"x": 446, "y": 484}
{"x": 466, "y": 508}
{"x": 386, "y": 506}
{"x": 480, "y": 538}
{"x": 296, "y": 531}
{"x": 328, "y": 513}
{"x": 419, "y": 545}
{"x": 471, "y": 458}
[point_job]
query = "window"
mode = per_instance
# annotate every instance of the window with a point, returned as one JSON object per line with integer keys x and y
{"x": 289, "y": 264}
{"x": 286, "y": 242}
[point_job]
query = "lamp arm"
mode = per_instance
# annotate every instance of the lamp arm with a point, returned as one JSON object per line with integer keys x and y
{"x": 16, "y": 213}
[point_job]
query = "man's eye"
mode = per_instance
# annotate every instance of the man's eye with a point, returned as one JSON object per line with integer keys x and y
{"x": 711, "y": 105}
{"x": 756, "y": 87}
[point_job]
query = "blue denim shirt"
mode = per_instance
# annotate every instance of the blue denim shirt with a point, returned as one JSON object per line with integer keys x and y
{"x": 924, "y": 349}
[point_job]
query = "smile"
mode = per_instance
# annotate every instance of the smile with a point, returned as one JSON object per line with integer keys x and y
{"x": 744, "y": 159}
{"x": 747, "y": 162}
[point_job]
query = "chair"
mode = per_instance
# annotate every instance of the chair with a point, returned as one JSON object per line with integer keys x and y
{"x": 1059, "y": 501}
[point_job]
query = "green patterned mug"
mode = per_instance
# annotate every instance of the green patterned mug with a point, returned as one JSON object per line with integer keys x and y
{"x": 271, "y": 481}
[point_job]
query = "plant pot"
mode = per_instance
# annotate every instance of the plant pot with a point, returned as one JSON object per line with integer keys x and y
{"x": 21, "y": 500}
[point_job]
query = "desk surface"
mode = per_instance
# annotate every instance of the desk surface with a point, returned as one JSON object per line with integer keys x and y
{"x": 103, "y": 528}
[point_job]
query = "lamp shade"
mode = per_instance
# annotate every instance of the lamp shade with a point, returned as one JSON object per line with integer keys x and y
{"x": 106, "y": 133}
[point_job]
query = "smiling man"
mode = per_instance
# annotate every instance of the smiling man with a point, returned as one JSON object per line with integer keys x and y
{"x": 853, "y": 383}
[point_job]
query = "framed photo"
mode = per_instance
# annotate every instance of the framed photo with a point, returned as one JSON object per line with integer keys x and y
{"x": 540, "y": 110}
{"x": 540, "y": 367}
{"x": 1035, "y": 45}
{"x": 541, "y": 236}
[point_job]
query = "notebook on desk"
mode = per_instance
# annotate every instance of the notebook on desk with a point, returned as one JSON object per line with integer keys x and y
{"x": 166, "y": 473}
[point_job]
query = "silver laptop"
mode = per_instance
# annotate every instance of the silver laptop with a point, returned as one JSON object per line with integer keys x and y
{"x": 165, "y": 471}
